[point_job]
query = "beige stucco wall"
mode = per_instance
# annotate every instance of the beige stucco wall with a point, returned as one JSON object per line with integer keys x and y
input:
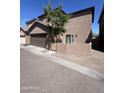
{"x": 22, "y": 40}
{"x": 61, "y": 48}
{"x": 27, "y": 39}
{"x": 37, "y": 30}
{"x": 53, "y": 46}
{"x": 22, "y": 33}
{"x": 78, "y": 49}
{"x": 73, "y": 49}
{"x": 79, "y": 26}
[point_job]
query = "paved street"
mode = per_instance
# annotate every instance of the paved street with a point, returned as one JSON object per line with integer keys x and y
{"x": 39, "y": 75}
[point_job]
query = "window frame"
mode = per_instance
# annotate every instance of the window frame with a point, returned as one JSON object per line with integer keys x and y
{"x": 69, "y": 38}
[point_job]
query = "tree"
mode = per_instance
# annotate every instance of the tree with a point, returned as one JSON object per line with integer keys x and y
{"x": 56, "y": 22}
{"x": 48, "y": 15}
{"x": 60, "y": 19}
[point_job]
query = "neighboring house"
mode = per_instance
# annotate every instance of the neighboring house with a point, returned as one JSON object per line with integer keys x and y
{"x": 101, "y": 30}
{"x": 30, "y": 22}
{"x": 76, "y": 40}
{"x": 22, "y": 36}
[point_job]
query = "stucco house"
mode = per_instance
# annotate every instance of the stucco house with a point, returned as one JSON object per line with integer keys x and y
{"x": 75, "y": 41}
{"x": 24, "y": 36}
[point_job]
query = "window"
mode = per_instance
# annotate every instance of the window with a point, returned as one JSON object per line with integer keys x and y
{"x": 69, "y": 39}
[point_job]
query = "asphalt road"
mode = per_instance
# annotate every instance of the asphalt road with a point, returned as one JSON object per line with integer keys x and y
{"x": 39, "y": 75}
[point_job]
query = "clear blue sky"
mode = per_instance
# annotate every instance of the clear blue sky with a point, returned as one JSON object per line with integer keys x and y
{"x": 32, "y": 8}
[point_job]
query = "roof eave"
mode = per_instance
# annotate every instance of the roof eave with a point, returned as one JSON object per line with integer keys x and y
{"x": 30, "y": 21}
{"x": 44, "y": 14}
{"x": 28, "y": 31}
{"x": 84, "y": 10}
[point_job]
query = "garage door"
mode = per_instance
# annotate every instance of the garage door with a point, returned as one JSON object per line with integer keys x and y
{"x": 38, "y": 40}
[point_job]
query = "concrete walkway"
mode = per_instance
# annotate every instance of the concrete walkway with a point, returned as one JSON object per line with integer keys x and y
{"x": 49, "y": 55}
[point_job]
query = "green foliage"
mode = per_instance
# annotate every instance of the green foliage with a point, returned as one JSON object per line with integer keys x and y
{"x": 48, "y": 11}
{"x": 56, "y": 20}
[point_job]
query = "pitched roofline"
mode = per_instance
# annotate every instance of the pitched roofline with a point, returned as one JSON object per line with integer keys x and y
{"x": 36, "y": 21}
{"x": 32, "y": 20}
{"x": 102, "y": 12}
{"x": 21, "y": 29}
{"x": 84, "y": 10}
{"x": 44, "y": 14}
{"x": 41, "y": 16}
{"x": 73, "y": 13}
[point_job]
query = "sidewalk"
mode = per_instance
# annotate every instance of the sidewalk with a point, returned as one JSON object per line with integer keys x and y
{"x": 55, "y": 57}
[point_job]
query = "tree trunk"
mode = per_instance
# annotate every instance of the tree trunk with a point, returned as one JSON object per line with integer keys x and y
{"x": 56, "y": 43}
{"x": 46, "y": 45}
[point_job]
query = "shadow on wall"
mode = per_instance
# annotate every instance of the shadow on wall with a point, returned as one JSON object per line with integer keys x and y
{"x": 96, "y": 44}
{"x": 89, "y": 38}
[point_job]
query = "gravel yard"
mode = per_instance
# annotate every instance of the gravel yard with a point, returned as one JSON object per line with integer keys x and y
{"x": 94, "y": 61}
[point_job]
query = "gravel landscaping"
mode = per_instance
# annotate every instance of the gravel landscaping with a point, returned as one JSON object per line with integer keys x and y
{"x": 94, "y": 61}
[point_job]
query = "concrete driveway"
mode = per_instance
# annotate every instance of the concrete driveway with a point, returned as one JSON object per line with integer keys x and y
{"x": 39, "y": 75}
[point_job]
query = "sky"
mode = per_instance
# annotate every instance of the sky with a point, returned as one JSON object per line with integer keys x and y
{"x": 30, "y": 9}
